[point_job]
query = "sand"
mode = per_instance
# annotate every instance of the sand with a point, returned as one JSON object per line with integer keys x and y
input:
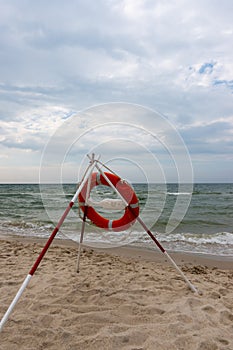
{"x": 125, "y": 298}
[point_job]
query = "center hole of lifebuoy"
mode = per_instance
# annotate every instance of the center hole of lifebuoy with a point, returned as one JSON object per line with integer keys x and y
{"x": 106, "y": 202}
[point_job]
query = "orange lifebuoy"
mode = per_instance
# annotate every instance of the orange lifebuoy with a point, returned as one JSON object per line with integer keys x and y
{"x": 126, "y": 191}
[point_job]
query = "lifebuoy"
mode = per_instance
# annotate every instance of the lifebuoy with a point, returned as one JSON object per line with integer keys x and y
{"x": 126, "y": 191}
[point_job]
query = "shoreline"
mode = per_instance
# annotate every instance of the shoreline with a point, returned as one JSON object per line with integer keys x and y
{"x": 138, "y": 253}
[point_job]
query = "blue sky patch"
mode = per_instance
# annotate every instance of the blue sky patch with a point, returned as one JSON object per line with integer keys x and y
{"x": 206, "y": 68}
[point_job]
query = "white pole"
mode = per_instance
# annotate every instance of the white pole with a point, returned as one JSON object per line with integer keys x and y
{"x": 191, "y": 286}
{"x": 88, "y": 172}
{"x": 84, "y": 218}
{"x": 15, "y": 300}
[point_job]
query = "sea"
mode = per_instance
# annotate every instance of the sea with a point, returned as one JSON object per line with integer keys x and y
{"x": 197, "y": 218}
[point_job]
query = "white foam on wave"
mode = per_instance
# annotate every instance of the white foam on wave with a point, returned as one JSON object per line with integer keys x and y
{"x": 215, "y": 238}
{"x": 179, "y": 193}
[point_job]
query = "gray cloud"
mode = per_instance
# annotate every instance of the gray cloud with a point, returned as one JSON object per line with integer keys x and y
{"x": 210, "y": 138}
{"x": 174, "y": 57}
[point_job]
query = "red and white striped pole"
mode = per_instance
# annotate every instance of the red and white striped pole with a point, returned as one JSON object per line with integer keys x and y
{"x": 191, "y": 286}
{"x": 47, "y": 245}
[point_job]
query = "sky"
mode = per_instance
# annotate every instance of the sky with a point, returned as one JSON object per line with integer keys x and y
{"x": 72, "y": 73}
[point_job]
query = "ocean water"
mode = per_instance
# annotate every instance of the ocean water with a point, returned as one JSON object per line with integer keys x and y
{"x": 198, "y": 219}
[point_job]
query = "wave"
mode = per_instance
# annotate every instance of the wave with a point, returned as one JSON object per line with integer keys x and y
{"x": 217, "y": 244}
{"x": 21, "y": 227}
{"x": 208, "y": 193}
{"x": 179, "y": 193}
{"x": 222, "y": 238}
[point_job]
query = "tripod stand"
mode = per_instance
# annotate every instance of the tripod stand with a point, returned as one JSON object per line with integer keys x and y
{"x": 130, "y": 216}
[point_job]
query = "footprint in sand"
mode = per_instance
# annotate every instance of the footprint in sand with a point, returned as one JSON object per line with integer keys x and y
{"x": 223, "y": 291}
{"x": 209, "y": 309}
{"x": 226, "y": 317}
{"x": 208, "y": 345}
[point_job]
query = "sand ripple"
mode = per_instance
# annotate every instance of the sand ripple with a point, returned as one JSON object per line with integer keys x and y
{"x": 113, "y": 303}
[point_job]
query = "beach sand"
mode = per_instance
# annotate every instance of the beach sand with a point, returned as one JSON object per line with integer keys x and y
{"x": 122, "y": 298}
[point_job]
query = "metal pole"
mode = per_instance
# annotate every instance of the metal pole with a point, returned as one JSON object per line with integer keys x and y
{"x": 81, "y": 237}
{"x": 84, "y": 216}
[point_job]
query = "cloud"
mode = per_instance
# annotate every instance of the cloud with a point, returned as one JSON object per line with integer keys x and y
{"x": 120, "y": 130}
{"x": 212, "y": 138}
{"x": 174, "y": 57}
{"x": 29, "y": 131}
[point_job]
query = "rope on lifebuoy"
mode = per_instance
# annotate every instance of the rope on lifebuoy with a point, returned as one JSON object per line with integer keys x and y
{"x": 131, "y": 210}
